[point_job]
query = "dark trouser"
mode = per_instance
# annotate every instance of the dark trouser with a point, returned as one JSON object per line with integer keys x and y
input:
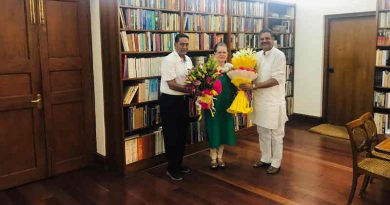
{"x": 174, "y": 115}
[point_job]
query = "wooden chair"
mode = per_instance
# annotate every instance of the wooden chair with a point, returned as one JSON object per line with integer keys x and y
{"x": 362, "y": 163}
{"x": 371, "y": 129}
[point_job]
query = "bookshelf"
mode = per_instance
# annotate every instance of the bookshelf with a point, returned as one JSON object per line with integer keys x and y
{"x": 136, "y": 34}
{"x": 280, "y": 18}
{"x": 382, "y": 67}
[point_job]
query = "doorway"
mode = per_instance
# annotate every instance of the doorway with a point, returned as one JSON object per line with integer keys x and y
{"x": 350, "y": 41}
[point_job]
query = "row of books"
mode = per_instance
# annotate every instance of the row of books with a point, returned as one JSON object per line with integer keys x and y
{"x": 247, "y": 8}
{"x": 157, "y": 4}
{"x": 139, "y": 147}
{"x": 139, "y": 19}
{"x": 289, "y": 105}
{"x": 129, "y": 93}
{"x": 147, "y": 90}
{"x": 143, "y": 42}
{"x": 382, "y": 79}
{"x": 384, "y": 20}
{"x": 285, "y": 40}
{"x": 140, "y": 117}
{"x": 204, "y": 41}
{"x": 383, "y": 38}
{"x": 196, "y": 132}
{"x": 289, "y": 72}
{"x": 289, "y": 87}
{"x": 382, "y": 100}
{"x": 206, "y": 6}
{"x": 141, "y": 67}
{"x": 205, "y": 23}
{"x": 242, "y": 40}
{"x": 289, "y": 53}
{"x": 384, "y": 4}
{"x": 382, "y": 57}
{"x": 242, "y": 121}
{"x": 243, "y": 24}
{"x": 382, "y": 123}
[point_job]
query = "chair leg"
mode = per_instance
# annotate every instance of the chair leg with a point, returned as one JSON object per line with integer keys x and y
{"x": 353, "y": 188}
{"x": 364, "y": 185}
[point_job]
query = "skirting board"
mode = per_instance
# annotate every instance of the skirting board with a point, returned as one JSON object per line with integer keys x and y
{"x": 305, "y": 118}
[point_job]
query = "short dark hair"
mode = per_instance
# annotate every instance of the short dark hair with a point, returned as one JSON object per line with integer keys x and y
{"x": 179, "y": 36}
{"x": 220, "y": 44}
{"x": 267, "y": 30}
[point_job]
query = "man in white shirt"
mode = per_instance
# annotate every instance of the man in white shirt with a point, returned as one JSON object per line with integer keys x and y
{"x": 269, "y": 102}
{"x": 174, "y": 105}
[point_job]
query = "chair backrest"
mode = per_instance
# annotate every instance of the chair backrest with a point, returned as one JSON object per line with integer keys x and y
{"x": 371, "y": 128}
{"x": 360, "y": 142}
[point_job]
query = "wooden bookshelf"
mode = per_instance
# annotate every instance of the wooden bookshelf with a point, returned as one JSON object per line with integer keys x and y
{"x": 382, "y": 67}
{"x": 280, "y": 17}
{"x": 118, "y": 31}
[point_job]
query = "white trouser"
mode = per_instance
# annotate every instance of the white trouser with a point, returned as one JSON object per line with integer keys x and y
{"x": 271, "y": 145}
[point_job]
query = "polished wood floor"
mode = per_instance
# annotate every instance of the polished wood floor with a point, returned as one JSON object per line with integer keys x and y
{"x": 315, "y": 170}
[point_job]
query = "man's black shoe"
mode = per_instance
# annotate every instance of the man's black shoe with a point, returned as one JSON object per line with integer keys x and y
{"x": 260, "y": 164}
{"x": 272, "y": 170}
{"x": 185, "y": 170}
{"x": 175, "y": 176}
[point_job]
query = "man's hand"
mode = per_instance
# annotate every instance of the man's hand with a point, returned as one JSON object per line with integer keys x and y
{"x": 246, "y": 87}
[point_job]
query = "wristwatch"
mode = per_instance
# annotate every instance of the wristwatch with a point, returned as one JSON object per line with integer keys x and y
{"x": 253, "y": 86}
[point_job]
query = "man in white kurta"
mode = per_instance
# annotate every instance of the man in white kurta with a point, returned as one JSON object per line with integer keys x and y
{"x": 269, "y": 102}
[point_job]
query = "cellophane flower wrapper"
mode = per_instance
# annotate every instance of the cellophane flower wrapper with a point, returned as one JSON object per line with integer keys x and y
{"x": 243, "y": 72}
{"x": 204, "y": 79}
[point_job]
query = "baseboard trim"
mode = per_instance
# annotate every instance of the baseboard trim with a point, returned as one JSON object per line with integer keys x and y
{"x": 101, "y": 161}
{"x": 305, "y": 118}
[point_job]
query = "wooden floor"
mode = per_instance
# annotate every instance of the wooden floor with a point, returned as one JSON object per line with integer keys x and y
{"x": 315, "y": 170}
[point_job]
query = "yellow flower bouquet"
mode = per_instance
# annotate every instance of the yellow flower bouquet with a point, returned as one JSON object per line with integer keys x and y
{"x": 244, "y": 71}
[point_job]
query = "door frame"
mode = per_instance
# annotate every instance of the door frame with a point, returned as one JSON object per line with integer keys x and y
{"x": 328, "y": 19}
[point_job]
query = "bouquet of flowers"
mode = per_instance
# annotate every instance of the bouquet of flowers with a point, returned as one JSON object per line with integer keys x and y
{"x": 244, "y": 63}
{"x": 204, "y": 79}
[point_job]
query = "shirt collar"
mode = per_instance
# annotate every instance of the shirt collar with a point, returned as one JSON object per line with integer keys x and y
{"x": 268, "y": 52}
{"x": 179, "y": 58}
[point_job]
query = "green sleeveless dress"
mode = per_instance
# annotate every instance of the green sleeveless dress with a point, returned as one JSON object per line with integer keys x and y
{"x": 220, "y": 128}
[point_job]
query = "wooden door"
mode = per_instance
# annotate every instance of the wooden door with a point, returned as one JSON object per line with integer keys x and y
{"x": 350, "y": 70}
{"x": 22, "y": 144}
{"x": 64, "y": 37}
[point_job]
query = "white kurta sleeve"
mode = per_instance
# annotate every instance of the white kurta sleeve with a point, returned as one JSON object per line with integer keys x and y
{"x": 279, "y": 69}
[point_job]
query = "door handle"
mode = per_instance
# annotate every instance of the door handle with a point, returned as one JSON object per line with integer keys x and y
{"x": 38, "y": 101}
{"x": 330, "y": 70}
{"x": 32, "y": 11}
{"x": 41, "y": 12}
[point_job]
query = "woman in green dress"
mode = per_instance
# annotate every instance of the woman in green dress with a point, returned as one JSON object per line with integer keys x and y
{"x": 220, "y": 128}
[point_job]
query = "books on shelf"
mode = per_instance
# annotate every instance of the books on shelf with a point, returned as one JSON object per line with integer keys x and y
{"x": 204, "y": 41}
{"x": 140, "y": 19}
{"x": 129, "y": 93}
{"x": 384, "y": 20}
{"x": 382, "y": 123}
{"x": 383, "y": 38}
{"x": 139, "y": 147}
{"x": 242, "y": 40}
{"x": 196, "y": 132}
{"x": 147, "y": 41}
{"x": 382, "y": 57}
{"x": 141, "y": 67}
{"x": 247, "y": 8}
{"x": 157, "y": 4}
{"x": 205, "y": 23}
{"x": 206, "y": 6}
{"x": 141, "y": 117}
{"x": 243, "y": 24}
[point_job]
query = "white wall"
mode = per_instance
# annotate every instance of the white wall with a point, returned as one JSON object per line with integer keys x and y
{"x": 98, "y": 78}
{"x": 309, "y": 48}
